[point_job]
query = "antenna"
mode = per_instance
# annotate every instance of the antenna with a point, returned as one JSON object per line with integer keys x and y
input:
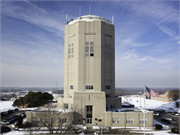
{"x": 112, "y": 19}
{"x": 66, "y": 19}
{"x": 79, "y": 11}
{"x": 89, "y": 8}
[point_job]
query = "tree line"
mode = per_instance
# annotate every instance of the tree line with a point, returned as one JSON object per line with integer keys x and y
{"x": 33, "y": 99}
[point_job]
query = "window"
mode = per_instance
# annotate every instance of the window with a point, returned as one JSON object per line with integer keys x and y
{"x": 91, "y": 48}
{"x": 87, "y": 48}
{"x": 49, "y": 120}
{"x": 62, "y": 120}
{"x": 72, "y": 56}
{"x": 36, "y": 120}
{"x": 108, "y": 87}
{"x": 91, "y": 43}
{"x": 107, "y": 50}
{"x": 72, "y": 44}
{"x": 69, "y": 56}
{"x": 129, "y": 120}
{"x": 89, "y": 86}
{"x": 70, "y": 87}
{"x": 65, "y": 106}
{"x": 89, "y": 97}
{"x": 108, "y": 95}
{"x": 115, "y": 120}
{"x": 72, "y": 50}
{"x": 69, "y": 50}
{"x": 141, "y": 120}
{"x": 69, "y": 45}
{"x": 113, "y": 106}
{"x": 92, "y": 54}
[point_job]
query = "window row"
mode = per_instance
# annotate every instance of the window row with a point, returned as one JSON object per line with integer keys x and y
{"x": 71, "y": 56}
{"x": 71, "y": 45}
{"x": 71, "y": 50}
{"x": 89, "y": 54}
{"x": 36, "y": 120}
{"x": 108, "y": 87}
{"x": 128, "y": 120}
{"x": 89, "y": 43}
{"x": 142, "y": 120}
{"x": 108, "y": 45}
{"x": 89, "y": 48}
{"x": 89, "y": 86}
{"x": 115, "y": 120}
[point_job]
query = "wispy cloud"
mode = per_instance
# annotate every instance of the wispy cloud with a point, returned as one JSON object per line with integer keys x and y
{"x": 166, "y": 30}
{"x": 28, "y": 12}
{"x": 133, "y": 43}
{"x": 161, "y": 13}
{"x": 132, "y": 55}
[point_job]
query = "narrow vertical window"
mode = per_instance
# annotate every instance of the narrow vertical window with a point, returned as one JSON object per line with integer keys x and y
{"x": 72, "y": 50}
{"x": 69, "y": 50}
{"x": 89, "y": 97}
{"x": 87, "y": 48}
{"x": 92, "y": 49}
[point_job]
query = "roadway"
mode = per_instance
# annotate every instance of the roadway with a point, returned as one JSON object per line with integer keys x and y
{"x": 166, "y": 115}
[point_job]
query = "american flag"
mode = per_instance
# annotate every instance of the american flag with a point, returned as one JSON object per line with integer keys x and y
{"x": 150, "y": 93}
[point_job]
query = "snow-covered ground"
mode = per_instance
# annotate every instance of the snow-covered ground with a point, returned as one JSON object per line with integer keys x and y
{"x": 6, "y": 105}
{"x": 150, "y": 104}
{"x": 137, "y": 101}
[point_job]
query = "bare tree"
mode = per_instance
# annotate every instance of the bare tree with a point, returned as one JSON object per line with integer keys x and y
{"x": 56, "y": 121}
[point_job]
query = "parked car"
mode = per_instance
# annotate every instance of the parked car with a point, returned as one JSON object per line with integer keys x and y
{"x": 156, "y": 113}
{"x": 177, "y": 114}
{"x": 167, "y": 118}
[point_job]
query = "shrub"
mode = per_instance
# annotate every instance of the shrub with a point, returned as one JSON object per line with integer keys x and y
{"x": 175, "y": 130}
{"x": 157, "y": 126}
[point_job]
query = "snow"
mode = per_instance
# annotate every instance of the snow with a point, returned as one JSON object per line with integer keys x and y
{"x": 150, "y": 104}
{"x": 137, "y": 101}
{"x": 6, "y": 105}
{"x": 169, "y": 107}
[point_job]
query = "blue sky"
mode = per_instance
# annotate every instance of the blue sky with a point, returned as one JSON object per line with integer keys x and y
{"x": 147, "y": 41}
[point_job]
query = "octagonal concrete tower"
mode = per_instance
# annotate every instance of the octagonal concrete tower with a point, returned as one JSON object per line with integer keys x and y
{"x": 89, "y": 67}
{"x": 89, "y": 56}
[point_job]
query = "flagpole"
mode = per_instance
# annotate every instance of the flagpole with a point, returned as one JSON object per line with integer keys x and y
{"x": 144, "y": 108}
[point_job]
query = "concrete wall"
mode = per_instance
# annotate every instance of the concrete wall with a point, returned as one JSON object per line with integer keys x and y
{"x": 97, "y": 101}
{"x": 123, "y": 115}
